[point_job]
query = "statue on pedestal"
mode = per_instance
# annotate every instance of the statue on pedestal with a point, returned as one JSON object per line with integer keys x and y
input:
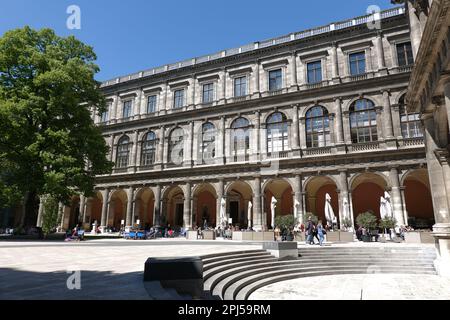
{"x": 273, "y": 205}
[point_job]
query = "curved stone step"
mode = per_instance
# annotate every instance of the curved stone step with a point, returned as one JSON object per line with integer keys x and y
{"x": 211, "y": 272}
{"x": 232, "y": 290}
{"x": 235, "y": 256}
{"x": 208, "y": 266}
{"x": 229, "y": 253}
{"x": 357, "y": 258}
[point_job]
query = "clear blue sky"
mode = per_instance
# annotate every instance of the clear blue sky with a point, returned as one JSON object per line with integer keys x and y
{"x": 133, "y": 35}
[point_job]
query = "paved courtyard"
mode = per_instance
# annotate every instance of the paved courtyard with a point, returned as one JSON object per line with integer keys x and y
{"x": 113, "y": 269}
{"x": 358, "y": 287}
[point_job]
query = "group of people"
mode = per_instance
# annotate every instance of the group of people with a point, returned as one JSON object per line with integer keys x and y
{"x": 313, "y": 230}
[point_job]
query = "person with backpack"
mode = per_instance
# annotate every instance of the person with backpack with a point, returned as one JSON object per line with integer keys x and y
{"x": 309, "y": 231}
{"x": 320, "y": 232}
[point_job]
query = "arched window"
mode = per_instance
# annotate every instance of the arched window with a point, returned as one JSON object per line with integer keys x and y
{"x": 240, "y": 137}
{"x": 277, "y": 133}
{"x": 410, "y": 122}
{"x": 317, "y": 127}
{"x": 176, "y": 146}
{"x": 123, "y": 152}
{"x": 148, "y": 149}
{"x": 363, "y": 121}
{"x": 208, "y": 147}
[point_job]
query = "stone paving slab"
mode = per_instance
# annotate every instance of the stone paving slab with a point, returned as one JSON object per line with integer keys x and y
{"x": 358, "y": 287}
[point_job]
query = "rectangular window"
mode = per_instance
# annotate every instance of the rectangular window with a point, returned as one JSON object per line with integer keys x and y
{"x": 357, "y": 63}
{"x": 178, "y": 99}
{"x": 208, "y": 93}
{"x": 240, "y": 86}
{"x": 275, "y": 80}
{"x": 404, "y": 54}
{"x": 314, "y": 72}
{"x": 105, "y": 115}
{"x": 151, "y": 104}
{"x": 127, "y": 108}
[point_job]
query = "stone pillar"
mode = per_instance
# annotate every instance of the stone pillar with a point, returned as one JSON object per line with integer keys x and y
{"x": 346, "y": 124}
{"x": 380, "y": 52}
{"x": 256, "y": 85}
{"x": 298, "y": 197}
{"x": 294, "y": 83}
{"x": 187, "y": 157}
{"x": 339, "y": 125}
{"x": 397, "y": 204}
{"x": 302, "y": 133}
{"x": 223, "y": 76}
{"x": 258, "y": 223}
{"x": 134, "y": 153}
{"x": 187, "y": 207}
{"x": 221, "y": 142}
{"x": 157, "y": 206}
{"x": 334, "y": 63}
{"x": 352, "y": 215}
{"x": 130, "y": 200}
{"x": 137, "y": 105}
{"x": 257, "y": 149}
{"x": 415, "y": 28}
{"x": 113, "y": 117}
{"x": 105, "y": 196}
{"x": 82, "y": 208}
{"x": 447, "y": 102}
{"x": 405, "y": 211}
{"x": 295, "y": 129}
{"x": 160, "y": 149}
{"x": 387, "y": 116}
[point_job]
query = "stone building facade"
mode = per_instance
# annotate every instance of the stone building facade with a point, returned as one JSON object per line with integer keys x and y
{"x": 429, "y": 94}
{"x": 292, "y": 118}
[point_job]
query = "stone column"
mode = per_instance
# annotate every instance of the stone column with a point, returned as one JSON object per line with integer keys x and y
{"x": 405, "y": 211}
{"x": 415, "y": 28}
{"x": 256, "y": 79}
{"x": 352, "y": 215}
{"x": 447, "y": 102}
{"x": 187, "y": 207}
{"x": 295, "y": 130}
{"x": 380, "y": 52}
{"x": 113, "y": 117}
{"x": 258, "y": 222}
{"x": 130, "y": 200}
{"x": 298, "y": 197}
{"x": 397, "y": 204}
{"x": 387, "y": 116}
{"x": 157, "y": 206}
{"x": 334, "y": 63}
{"x": 220, "y": 142}
{"x": 105, "y": 196}
{"x": 343, "y": 195}
{"x": 303, "y": 133}
{"x": 160, "y": 149}
{"x": 223, "y": 76}
{"x": 294, "y": 83}
{"x": 134, "y": 151}
{"x": 339, "y": 125}
{"x": 187, "y": 158}
{"x": 137, "y": 105}
{"x": 332, "y": 121}
{"x": 346, "y": 124}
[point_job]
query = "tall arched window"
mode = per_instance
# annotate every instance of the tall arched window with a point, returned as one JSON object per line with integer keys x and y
{"x": 123, "y": 152}
{"x": 410, "y": 122}
{"x": 363, "y": 121}
{"x": 148, "y": 149}
{"x": 317, "y": 127}
{"x": 240, "y": 137}
{"x": 176, "y": 141}
{"x": 277, "y": 133}
{"x": 208, "y": 147}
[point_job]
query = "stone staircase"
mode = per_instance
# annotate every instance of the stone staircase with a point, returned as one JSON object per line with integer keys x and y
{"x": 236, "y": 275}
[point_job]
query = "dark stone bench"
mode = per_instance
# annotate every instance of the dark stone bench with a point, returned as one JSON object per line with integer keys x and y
{"x": 282, "y": 250}
{"x": 185, "y": 275}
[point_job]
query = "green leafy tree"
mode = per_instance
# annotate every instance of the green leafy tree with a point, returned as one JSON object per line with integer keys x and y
{"x": 387, "y": 223}
{"x": 50, "y": 215}
{"x": 367, "y": 220}
{"x": 314, "y": 218}
{"x": 47, "y": 136}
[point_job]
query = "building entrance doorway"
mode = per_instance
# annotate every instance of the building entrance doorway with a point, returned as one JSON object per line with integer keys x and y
{"x": 179, "y": 208}
{"x": 234, "y": 211}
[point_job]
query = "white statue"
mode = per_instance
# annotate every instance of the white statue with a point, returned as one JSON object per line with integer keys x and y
{"x": 296, "y": 208}
{"x": 249, "y": 214}
{"x": 383, "y": 210}
{"x": 387, "y": 196}
{"x": 346, "y": 213}
{"x": 329, "y": 213}
{"x": 273, "y": 205}
{"x": 223, "y": 205}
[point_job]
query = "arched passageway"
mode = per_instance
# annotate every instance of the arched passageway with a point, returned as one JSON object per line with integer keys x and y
{"x": 281, "y": 190}
{"x": 316, "y": 190}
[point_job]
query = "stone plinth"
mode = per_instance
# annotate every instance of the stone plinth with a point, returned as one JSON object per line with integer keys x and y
{"x": 282, "y": 250}
{"x": 339, "y": 236}
{"x": 419, "y": 237}
{"x": 242, "y": 236}
{"x": 182, "y": 274}
{"x": 191, "y": 235}
{"x": 209, "y": 235}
